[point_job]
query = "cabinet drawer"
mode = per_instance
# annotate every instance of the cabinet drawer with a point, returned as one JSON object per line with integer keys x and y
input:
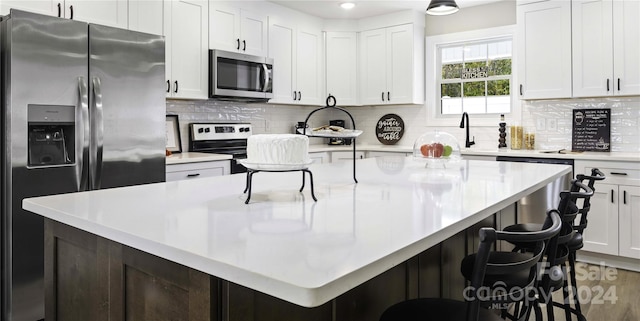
{"x": 199, "y": 173}
{"x": 197, "y": 170}
{"x": 624, "y": 173}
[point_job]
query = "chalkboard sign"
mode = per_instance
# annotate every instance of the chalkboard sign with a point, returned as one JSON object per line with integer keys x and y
{"x": 591, "y": 130}
{"x": 389, "y": 129}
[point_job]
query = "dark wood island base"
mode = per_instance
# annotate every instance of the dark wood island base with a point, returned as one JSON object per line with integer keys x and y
{"x": 88, "y": 277}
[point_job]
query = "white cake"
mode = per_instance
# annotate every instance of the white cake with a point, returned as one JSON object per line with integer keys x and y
{"x": 279, "y": 149}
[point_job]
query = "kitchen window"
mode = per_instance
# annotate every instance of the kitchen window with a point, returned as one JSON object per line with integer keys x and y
{"x": 471, "y": 72}
{"x": 475, "y": 77}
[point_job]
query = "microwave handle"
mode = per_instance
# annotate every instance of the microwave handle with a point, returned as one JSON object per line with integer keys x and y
{"x": 266, "y": 78}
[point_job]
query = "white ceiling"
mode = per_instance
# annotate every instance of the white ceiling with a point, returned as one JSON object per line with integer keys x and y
{"x": 330, "y": 9}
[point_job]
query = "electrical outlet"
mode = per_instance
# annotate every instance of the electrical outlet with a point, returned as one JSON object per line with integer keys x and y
{"x": 541, "y": 124}
{"x": 552, "y": 124}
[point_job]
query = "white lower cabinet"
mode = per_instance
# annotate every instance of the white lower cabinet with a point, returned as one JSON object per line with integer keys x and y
{"x": 614, "y": 218}
{"x": 345, "y": 155}
{"x": 176, "y": 172}
{"x": 320, "y": 157}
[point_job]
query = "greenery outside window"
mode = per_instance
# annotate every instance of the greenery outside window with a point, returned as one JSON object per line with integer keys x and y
{"x": 475, "y": 76}
{"x": 472, "y": 71}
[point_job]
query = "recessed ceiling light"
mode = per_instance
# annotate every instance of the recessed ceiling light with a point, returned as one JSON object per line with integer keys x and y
{"x": 347, "y": 5}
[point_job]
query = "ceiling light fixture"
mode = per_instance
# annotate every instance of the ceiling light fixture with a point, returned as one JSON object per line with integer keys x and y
{"x": 442, "y": 7}
{"x": 347, "y": 5}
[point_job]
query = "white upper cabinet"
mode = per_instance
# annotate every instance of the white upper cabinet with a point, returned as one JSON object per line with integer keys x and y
{"x": 109, "y": 13}
{"x": 606, "y": 37}
{"x": 187, "y": 50}
{"x": 390, "y": 72}
{"x": 544, "y": 50}
{"x": 146, "y": 16}
{"x": 626, "y": 47}
{"x": 296, "y": 51}
{"x": 341, "y": 69}
{"x": 48, "y": 7}
{"x": 236, "y": 29}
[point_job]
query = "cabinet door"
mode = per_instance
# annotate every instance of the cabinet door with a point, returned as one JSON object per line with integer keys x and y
{"x": 109, "y": 13}
{"x": 308, "y": 67}
{"x": 319, "y": 157}
{"x": 544, "y": 49}
{"x": 601, "y": 235}
{"x": 281, "y": 49}
{"x": 400, "y": 64}
{"x": 253, "y": 33}
{"x": 373, "y": 62}
{"x": 341, "y": 68}
{"x": 146, "y": 16}
{"x": 189, "y": 49}
{"x": 48, "y": 7}
{"x": 592, "y": 32}
{"x": 224, "y": 27}
{"x": 626, "y": 47}
{"x": 629, "y": 211}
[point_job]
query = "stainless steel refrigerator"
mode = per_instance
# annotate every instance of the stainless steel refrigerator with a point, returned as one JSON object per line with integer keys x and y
{"x": 83, "y": 108}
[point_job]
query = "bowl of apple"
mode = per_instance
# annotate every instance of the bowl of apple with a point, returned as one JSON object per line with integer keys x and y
{"x": 437, "y": 147}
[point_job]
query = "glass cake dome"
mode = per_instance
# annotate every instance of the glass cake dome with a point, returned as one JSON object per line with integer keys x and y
{"x": 437, "y": 146}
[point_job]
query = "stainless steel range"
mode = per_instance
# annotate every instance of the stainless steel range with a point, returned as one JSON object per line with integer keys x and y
{"x": 221, "y": 138}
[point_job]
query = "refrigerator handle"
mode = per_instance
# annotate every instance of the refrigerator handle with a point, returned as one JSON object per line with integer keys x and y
{"x": 82, "y": 140}
{"x": 98, "y": 134}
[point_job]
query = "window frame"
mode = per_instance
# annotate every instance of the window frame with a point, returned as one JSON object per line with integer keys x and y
{"x": 432, "y": 103}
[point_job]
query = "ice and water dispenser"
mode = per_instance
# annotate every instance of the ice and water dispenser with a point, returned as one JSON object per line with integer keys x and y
{"x": 51, "y": 135}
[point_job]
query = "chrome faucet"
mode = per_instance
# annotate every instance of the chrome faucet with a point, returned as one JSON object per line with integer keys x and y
{"x": 467, "y": 143}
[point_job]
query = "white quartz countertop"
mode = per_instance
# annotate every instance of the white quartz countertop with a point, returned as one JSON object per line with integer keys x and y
{"x": 193, "y": 157}
{"x": 286, "y": 245}
{"x": 606, "y": 156}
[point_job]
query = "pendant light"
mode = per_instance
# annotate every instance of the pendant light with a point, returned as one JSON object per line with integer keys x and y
{"x": 442, "y": 7}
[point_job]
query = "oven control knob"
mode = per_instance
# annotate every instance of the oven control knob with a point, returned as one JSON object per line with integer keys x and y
{"x": 206, "y": 130}
{"x": 241, "y": 129}
{"x": 247, "y": 129}
{"x": 200, "y": 130}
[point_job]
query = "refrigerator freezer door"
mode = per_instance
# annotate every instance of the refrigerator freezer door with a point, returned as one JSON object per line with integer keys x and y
{"x": 46, "y": 59}
{"x": 127, "y": 107}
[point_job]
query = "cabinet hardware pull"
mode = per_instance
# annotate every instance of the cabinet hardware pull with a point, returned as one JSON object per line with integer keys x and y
{"x": 618, "y": 173}
{"x": 618, "y": 84}
{"x": 299, "y": 95}
{"x": 295, "y": 95}
{"x": 168, "y": 86}
{"x": 388, "y": 96}
{"x": 383, "y": 96}
{"x": 238, "y": 44}
{"x": 607, "y": 84}
{"x": 176, "y": 89}
{"x": 193, "y": 175}
{"x": 520, "y": 89}
{"x": 71, "y": 8}
{"x": 59, "y": 10}
{"x": 624, "y": 197}
{"x": 612, "y": 196}
{"x": 244, "y": 45}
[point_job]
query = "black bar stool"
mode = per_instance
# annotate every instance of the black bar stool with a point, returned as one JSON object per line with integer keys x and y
{"x": 488, "y": 265}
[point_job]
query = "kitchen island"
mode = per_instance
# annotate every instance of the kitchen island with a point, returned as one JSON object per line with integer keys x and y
{"x": 198, "y": 247}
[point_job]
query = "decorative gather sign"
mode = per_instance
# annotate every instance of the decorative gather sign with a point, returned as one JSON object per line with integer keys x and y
{"x": 591, "y": 130}
{"x": 389, "y": 129}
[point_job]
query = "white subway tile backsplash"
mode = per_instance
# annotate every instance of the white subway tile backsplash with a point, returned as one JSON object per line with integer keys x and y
{"x": 269, "y": 118}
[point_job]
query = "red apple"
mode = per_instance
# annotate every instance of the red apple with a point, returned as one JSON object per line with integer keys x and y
{"x": 425, "y": 150}
{"x": 437, "y": 149}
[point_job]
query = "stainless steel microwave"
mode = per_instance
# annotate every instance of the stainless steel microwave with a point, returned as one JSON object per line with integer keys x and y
{"x": 241, "y": 77}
